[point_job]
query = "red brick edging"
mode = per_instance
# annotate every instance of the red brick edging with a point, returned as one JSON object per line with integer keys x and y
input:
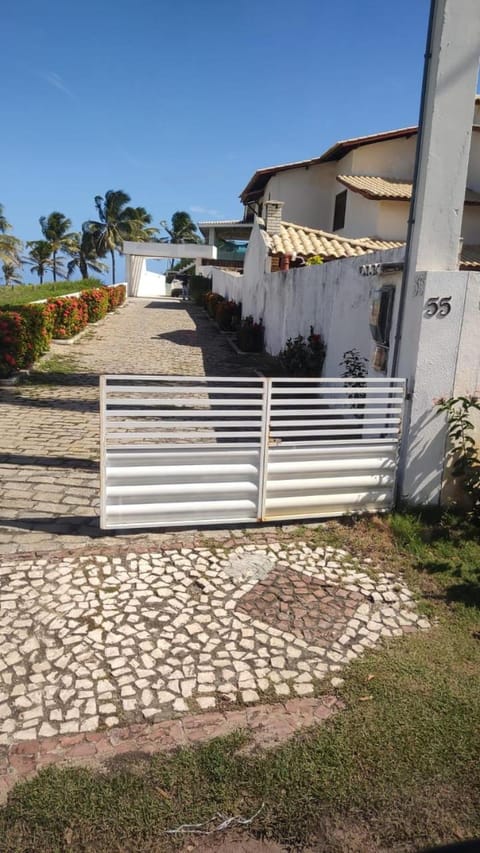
{"x": 267, "y": 724}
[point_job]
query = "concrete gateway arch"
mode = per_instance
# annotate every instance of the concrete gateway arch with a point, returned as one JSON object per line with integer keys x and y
{"x": 139, "y": 279}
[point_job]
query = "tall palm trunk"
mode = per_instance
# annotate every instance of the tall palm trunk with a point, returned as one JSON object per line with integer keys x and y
{"x": 55, "y": 266}
{"x": 83, "y": 267}
{"x": 40, "y": 275}
{"x": 113, "y": 265}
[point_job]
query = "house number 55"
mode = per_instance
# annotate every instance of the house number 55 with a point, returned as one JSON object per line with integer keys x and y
{"x": 438, "y": 307}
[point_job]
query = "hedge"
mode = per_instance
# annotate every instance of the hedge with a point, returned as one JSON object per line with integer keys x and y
{"x": 96, "y": 302}
{"x": 39, "y": 322}
{"x": 116, "y": 296}
{"x": 26, "y": 331}
{"x": 14, "y": 344}
{"x": 71, "y": 316}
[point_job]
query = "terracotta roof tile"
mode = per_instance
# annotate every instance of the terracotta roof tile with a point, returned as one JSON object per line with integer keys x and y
{"x": 376, "y": 187}
{"x": 389, "y": 189}
{"x": 470, "y": 259}
{"x": 301, "y": 240}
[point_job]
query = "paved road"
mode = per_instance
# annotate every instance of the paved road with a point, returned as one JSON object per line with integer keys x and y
{"x": 50, "y": 433}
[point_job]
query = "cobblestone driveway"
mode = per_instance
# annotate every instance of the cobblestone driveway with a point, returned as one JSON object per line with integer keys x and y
{"x": 104, "y": 631}
{"x": 50, "y": 433}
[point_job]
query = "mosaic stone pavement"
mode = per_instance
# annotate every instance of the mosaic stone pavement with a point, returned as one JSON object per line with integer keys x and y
{"x": 98, "y": 641}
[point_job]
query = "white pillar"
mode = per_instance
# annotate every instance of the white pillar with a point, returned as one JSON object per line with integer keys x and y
{"x": 448, "y": 111}
{"x": 434, "y": 290}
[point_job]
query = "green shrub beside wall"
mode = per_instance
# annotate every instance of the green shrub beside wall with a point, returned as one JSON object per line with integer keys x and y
{"x": 198, "y": 287}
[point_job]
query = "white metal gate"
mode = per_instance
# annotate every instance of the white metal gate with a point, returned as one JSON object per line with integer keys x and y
{"x": 206, "y": 450}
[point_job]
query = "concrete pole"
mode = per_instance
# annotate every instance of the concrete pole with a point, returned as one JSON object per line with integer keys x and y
{"x": 433, "y": 295}
{"x": 446, "y": 131}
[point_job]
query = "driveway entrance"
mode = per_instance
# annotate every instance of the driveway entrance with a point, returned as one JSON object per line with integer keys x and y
{"x": 209, "y": 450}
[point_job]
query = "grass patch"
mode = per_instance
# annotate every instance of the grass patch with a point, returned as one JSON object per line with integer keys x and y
{"x": 397, "y": 770}
{"x": 21, "y": 294}
{"x": 51, "y": 367}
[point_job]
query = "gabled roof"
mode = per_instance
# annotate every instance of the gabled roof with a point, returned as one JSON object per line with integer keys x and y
{"x": 301, "y": 240}
{"x": 261, "y": 177}
{"x": 389, "y": 189}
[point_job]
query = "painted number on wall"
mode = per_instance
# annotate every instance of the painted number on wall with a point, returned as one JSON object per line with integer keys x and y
{"x": 437, "y": 307}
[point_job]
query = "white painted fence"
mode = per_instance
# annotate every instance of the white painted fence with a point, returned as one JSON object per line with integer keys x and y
{"x": 207, "y": 450}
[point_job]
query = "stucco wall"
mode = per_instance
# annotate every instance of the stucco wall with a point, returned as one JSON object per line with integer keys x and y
{"x": 152, "y": 284}
{"x": 361, "y": 216}
{"x": 394, "y": 158}
{"x": 307, "y": 193}
{"x": 333, "y": 297}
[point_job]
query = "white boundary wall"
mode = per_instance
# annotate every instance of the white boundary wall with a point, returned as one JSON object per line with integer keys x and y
{"x": 439, "y": 356}
{"x": 334, "y": 298}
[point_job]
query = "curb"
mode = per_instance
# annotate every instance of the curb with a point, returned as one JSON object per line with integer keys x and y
{"x": 268, "y": 725}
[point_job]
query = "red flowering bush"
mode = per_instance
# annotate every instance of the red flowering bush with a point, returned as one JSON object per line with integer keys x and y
{"x": 227, "y": 315}
{"x": 116, "y": 296}
{"x": 96, "y": 302}
{"x": 14, "y": 344}
{"x": 211, "y": 302}
{"x": 303, "y": 356}
{"x": 71, "y": 316}
{"x": 39, "y": 322}
{"x": 250, "y": 335}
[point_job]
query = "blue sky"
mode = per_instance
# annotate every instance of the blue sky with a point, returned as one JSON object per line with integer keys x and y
{"x": 179, "y": 103}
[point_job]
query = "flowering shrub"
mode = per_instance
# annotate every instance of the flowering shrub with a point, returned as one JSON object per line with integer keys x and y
{"x": 303, "y": 357}
{"x": 227, "y": 315}
{"x": 250, "y": 335}
{"x": 71, "y": 316}
{"x": 39, "y": 321}
{"x": 211, "y": 302}
{"x": 27, "y": 330}
{"x": 116, "y": 296}
{"x": 96, "y": 302}
{"x": 14, "y": 346}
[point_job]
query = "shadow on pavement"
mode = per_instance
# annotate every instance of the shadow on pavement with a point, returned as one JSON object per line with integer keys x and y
{"x": 20, "y": 460}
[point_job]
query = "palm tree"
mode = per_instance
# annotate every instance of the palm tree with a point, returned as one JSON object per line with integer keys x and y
{"x": 55, "y": 229}
{"x": 4, "y": 223}
{"x": 10, "y": 246}
{"x": 117, "y": 222}
{"x": 182, "y": 229}
{"x": 83, "y": 253}
{"x": 11, "y": 273}
{"x": 142, "y": 230}
{"x": 40, "y": 256}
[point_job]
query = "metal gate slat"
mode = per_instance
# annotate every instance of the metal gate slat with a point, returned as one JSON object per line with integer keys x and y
{"x": 203, "y": 450}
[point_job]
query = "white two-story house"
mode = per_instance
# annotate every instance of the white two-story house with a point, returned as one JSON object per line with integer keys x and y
{"x": 359, "y": 188}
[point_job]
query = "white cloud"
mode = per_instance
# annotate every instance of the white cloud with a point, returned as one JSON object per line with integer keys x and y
{"x": 210, "y": 211}
{"x": 54, "y": 79}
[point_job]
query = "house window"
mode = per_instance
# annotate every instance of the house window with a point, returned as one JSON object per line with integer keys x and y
{"x": 339, "y": 214}
{"x": 381, "y": 311}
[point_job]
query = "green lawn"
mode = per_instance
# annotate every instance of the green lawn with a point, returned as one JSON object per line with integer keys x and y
{"x": 20, "y": 294}
{"x": 396, "y": 771}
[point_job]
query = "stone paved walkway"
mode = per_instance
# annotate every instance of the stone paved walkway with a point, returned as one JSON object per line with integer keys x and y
{"x": 93, "y": 641}
{"x": 50, "y": 433}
